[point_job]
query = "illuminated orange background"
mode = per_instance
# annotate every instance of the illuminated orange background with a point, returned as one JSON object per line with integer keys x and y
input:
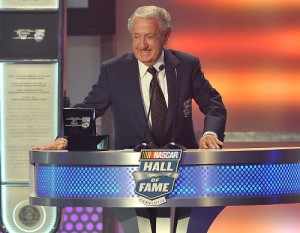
{"x": 250, "y": 51}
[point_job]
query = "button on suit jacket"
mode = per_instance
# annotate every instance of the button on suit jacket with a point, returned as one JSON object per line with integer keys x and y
{"x": 118, "y": 86}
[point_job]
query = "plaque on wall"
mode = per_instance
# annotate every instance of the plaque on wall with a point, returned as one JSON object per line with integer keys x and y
{"x": 19, "y": 216}
{"x": 29, "y": 112}
{"x": 25, "y": 35}
{"x": 29, "y": 4}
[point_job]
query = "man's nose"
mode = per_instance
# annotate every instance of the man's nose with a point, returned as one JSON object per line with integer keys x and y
{"x": 143, "y": 43}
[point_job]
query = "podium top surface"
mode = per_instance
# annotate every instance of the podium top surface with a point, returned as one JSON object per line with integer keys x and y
{"x": 197, "y": 156}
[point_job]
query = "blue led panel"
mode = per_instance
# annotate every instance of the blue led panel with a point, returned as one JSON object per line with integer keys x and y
{"x": 248, "y": 180}
{"x": 194, "y": 181}
{"x": 86, "y": 182}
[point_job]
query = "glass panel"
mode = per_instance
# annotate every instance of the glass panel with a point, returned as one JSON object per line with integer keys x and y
{"x": 29, "y": 108}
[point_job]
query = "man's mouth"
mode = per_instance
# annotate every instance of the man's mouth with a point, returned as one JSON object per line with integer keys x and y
{"x": 144, "y": 51}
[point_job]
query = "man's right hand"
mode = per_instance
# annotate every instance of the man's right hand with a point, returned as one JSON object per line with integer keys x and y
{"x": 58, "y": 144}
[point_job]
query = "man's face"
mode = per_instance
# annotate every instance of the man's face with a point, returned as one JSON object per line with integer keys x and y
{"x": 147, "y": 40}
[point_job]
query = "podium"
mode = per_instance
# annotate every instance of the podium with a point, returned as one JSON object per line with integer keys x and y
{"x": 208, "y": 178}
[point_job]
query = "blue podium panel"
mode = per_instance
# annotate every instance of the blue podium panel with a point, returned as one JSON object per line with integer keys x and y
{"x": 194, "y": 181}
{"x": 206, "y": 178}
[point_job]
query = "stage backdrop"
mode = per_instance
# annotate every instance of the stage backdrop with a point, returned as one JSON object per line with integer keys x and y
{"x": 250, "y": 52}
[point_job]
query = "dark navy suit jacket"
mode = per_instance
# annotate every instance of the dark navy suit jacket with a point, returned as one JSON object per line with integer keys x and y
{"x": 118, "y": 86}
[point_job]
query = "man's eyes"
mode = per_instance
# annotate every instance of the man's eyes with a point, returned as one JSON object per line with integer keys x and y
{"x": 147, "y": 37}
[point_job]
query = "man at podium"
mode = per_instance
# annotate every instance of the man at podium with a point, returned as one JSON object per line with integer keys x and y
{"x": 150, "y": 92}
{"x": 124, "y": 84}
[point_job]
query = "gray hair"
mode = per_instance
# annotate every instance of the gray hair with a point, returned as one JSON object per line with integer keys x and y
{"x": 151, "y": 12}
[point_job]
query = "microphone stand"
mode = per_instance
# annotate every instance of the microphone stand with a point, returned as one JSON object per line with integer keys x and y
{"x": 145, "y": 144}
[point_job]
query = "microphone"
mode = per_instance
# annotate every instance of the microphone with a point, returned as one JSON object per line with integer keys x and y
{"x": 172, "y": 144}
{"x": 145, "y": 144}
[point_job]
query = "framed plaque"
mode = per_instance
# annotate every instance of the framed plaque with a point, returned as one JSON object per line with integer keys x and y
{"x": 28, "y": 35}
{"x": 29, "y": 114}
{"x": 29, "y": 4}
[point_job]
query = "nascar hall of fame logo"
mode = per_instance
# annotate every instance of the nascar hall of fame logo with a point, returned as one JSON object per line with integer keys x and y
{"x": 28, "y": 34}
{"x": 157, "y": 175}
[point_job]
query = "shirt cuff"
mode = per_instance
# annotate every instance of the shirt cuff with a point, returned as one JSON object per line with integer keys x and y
{"x": 211, "y": 133}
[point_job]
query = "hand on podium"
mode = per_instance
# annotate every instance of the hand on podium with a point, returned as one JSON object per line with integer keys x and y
{"x": 58, "y": 144}
{"x": 210, "y": 141}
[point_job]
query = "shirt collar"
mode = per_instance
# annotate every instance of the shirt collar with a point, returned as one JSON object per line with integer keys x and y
{"x": 143, "y": 68}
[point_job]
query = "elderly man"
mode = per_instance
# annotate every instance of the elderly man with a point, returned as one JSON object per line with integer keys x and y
{"x": 150, "y": 92}
{"x": 124, "y": 84}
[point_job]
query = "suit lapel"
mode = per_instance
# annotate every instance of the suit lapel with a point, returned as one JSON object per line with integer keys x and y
{"x": 171, "y": 63}
{"x": 132, "y": 84}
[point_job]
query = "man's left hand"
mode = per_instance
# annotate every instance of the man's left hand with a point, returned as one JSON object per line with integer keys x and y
{"x": 210, "y": 141}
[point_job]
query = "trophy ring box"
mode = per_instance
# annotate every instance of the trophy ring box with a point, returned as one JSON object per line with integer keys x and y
{"x": 80, "y": 128}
